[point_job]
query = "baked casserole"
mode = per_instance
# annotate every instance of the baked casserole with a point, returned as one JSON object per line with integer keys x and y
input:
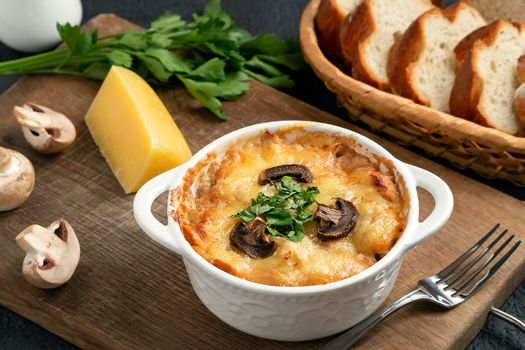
{"x": 292, "y": 208}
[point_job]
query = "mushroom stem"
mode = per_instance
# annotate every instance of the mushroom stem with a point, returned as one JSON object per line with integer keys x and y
{"x": 52, "y": 253}
{"x": 35, "y": 239}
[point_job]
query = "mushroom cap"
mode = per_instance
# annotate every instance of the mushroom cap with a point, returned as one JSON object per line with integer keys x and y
{"x": 252, "y": 239}
{"x": 298, "y": 172}
{"x": 17, "y": 179}
{"x": 52, "y": 253}
{"x": 46, "y": 130}
{"x": 336, "y": 221}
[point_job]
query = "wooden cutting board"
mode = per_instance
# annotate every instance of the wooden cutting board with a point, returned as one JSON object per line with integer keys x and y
{"x": 130, "y": 293}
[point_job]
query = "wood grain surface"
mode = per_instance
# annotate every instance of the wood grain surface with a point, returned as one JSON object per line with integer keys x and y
{"x": 130, "y": 293}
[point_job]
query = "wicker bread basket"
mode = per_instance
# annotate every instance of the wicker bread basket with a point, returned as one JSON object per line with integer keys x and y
{"x": 489, "y": 152}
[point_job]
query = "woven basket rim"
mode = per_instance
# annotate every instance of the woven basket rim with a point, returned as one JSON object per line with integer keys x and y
{"x": 382, "y": 103}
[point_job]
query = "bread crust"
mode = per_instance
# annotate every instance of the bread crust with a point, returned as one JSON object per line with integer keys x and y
{"x": 464, "y": 97}
{"x": 468, "y": 85}
{"x": 404, "y": 54}
{"x": 486, "y": 33}
{"x": 407, "y": 52}
{"x": 329, "y": 20}
{"x": 355, "y": 35}
{"x": 520, "y": 70}
{"x": 519, "y": 104}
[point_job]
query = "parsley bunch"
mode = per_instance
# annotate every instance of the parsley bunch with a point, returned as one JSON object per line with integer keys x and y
{"x": 285, "y": 211}
{"x": 210, "y": 56}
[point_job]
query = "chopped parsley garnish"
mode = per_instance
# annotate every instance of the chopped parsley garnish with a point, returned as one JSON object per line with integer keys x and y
{"x": 286, "y": 211}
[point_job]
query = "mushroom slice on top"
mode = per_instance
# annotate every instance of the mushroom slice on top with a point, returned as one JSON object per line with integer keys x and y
{"x": 17, "y": 179}
{"x": 52, "y": 253}
{"x": 336, "y": 221}
{"x": 297, "y": 171}
{"x": 252, "y": 239}
{"x": 44, "y": 129}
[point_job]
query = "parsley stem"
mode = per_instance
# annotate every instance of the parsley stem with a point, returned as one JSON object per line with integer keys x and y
{"x": 54, "y": 61}
{"x": 57, "y": 71}
{"x": 179, "y": 34}
{"x": 43, "y": 57}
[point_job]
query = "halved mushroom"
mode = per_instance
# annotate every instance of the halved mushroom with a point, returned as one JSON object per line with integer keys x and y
{"x": 17, "y": 179}
{"x": 46, "y": 130}
{"x": 252, "y": 239}
{"x": 52, "y": 254}
{"x": 336, "y": 221}
{"x": 297, "y": 171}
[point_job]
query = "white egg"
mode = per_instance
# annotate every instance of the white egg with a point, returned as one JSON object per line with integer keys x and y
{"x": 30, "y": 25}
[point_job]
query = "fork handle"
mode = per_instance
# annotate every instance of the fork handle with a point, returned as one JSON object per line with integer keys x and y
{"x": 347, "y": 339}
{"x": 508, "y": 317}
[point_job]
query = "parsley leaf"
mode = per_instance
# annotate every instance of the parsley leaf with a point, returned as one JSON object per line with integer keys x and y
{"x": 210, "y": 70}
{"x": 97, "y": 70}
{"x": 170, "y": 60}
{"x": 160, "y": 40}
{"x": 285, "y": 211}
{"x": 212, "y": 8}
{"x": 133, "y": 39}
{"x": 267, "y": 44}
{"x": 280, "y": 82}
{"x": 266, "y": 68}
{"x": 120, "y": 58}
{"x": 155, "y": 67}
{"x": 167, "y": 22}
{"x": 76, "y": 41}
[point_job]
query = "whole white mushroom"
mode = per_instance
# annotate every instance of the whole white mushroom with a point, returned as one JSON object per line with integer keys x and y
{"x": 17, "y": 179}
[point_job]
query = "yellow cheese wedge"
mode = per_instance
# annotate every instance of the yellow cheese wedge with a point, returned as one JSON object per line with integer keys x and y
{"x": 134, "y": 130}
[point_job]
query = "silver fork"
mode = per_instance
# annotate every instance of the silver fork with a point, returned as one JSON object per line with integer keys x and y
{"x": 447, "y": 288}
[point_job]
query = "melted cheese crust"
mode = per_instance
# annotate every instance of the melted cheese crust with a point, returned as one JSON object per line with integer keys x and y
{"x": 218, "y": 187}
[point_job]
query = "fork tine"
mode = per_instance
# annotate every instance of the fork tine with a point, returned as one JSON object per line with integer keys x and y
{"x": 473, "y": 262}
{"x": 465, "y": 255}
{"x": 476, "y": 272}
{"x": 491, "y": 271}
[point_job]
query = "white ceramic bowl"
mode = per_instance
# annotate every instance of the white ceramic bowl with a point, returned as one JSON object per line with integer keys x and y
{"x": 294, "y": 313}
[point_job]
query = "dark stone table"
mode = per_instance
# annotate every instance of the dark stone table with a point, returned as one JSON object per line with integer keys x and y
{"x": 257, "y": 16}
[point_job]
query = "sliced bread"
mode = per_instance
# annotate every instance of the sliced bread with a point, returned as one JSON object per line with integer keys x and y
{"x": 421, "y": 64}
{"x": 486, "y": 80}
{"x": 519, "y": 96}
{"x": 520, "y": 70}
{"x": 367, "y": 36}
{"x": 519, "y": 104}
{"x": 329, "y": 18}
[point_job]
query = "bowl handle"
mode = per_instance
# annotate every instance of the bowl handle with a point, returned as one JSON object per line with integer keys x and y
{"x": 443, "y": 204}
{"x": 142, "y": 210}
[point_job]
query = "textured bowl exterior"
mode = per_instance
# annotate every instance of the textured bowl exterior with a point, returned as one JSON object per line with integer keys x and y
{"x": 293, "y": 313}
{"x": 290, "y": 317}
